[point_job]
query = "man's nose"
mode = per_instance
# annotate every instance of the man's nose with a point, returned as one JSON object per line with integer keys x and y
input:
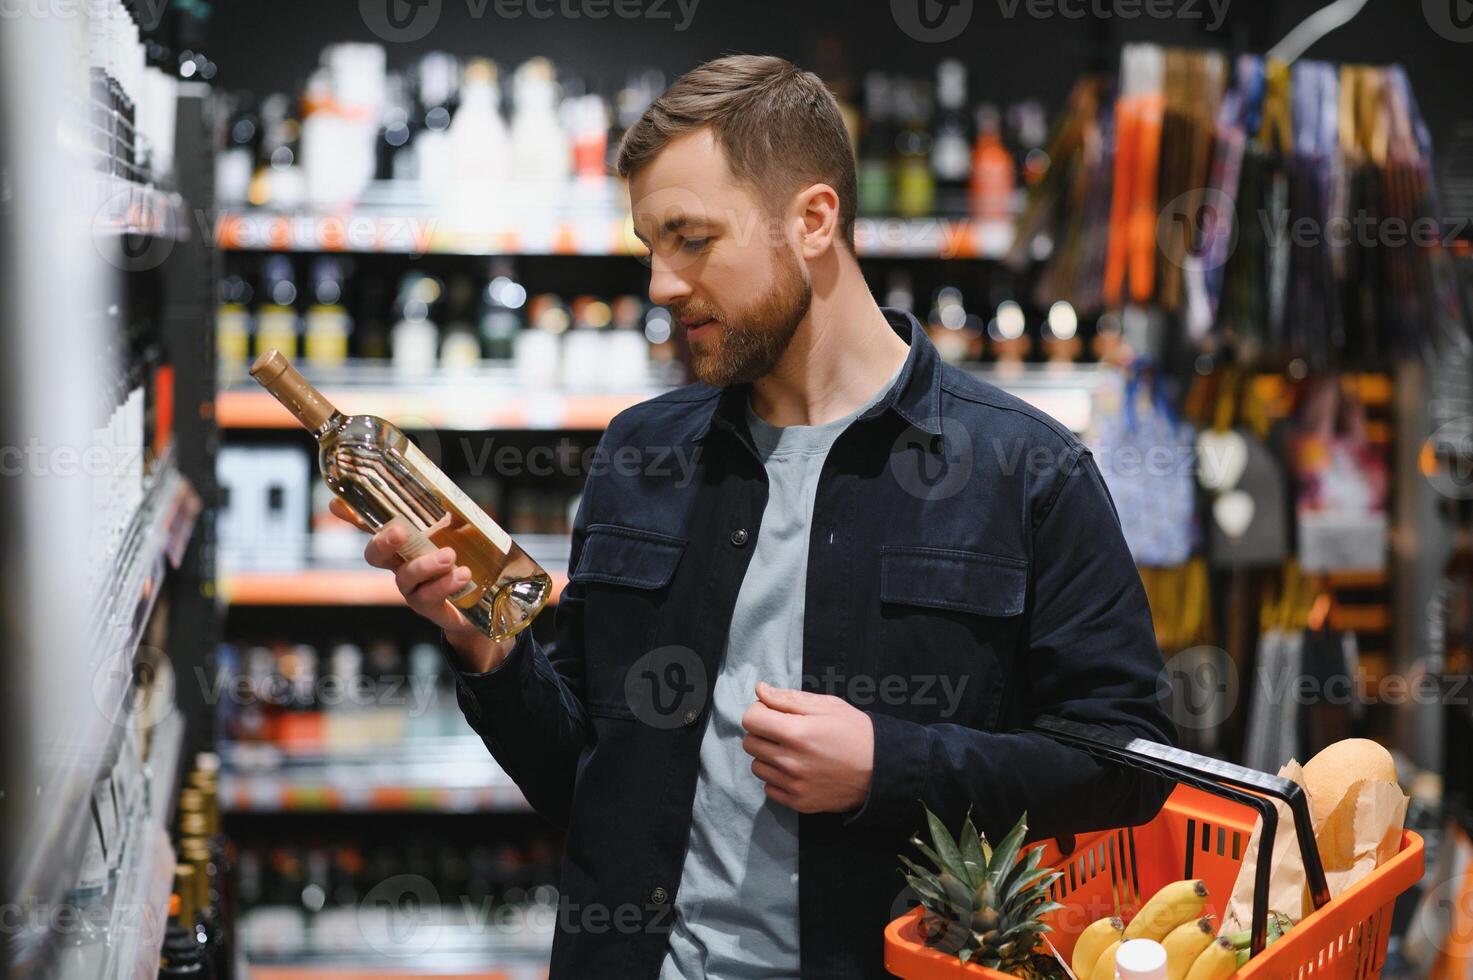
{"x": 667, "y": 285}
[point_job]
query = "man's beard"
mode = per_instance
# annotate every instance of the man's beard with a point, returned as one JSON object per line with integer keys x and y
{"x": 750, "y": 344}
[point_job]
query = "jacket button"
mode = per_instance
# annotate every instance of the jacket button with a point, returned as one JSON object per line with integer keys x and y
{"x": 691, "y": 716}
{"x": 739, "y": 536}
{"x": 659, "y": 896}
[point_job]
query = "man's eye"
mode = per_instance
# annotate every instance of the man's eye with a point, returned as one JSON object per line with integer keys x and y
{"x": 695, "y": 244}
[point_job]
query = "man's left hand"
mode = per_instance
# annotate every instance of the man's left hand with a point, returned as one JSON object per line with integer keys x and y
{"x": 815, "y": 752}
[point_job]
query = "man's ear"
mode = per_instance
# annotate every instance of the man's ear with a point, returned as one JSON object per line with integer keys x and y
{"x": 817, "y": 208}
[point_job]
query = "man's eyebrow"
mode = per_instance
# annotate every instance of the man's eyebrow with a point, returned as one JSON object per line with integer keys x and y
{"x": 675, "y": 222}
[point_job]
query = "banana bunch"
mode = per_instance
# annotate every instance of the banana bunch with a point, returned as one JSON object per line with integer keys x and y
{"x": 1174, "y": 913}
{"x": 1177, "y": 918}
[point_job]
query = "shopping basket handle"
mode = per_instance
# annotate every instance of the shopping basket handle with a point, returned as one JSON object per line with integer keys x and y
{"x": 1237, "y": 783}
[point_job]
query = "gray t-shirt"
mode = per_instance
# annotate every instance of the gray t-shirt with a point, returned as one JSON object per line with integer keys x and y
{"x": 737, "y": 906}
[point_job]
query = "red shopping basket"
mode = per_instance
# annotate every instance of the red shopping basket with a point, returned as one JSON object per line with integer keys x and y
{"x": 1201, "y": 832}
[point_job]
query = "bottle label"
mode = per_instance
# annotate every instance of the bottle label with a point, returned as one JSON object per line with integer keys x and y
{"x": 469, "y": 511}
{"x": 327, "y": 336}
{"x": 277, "y": 327}
{"x": 233, "y": 335}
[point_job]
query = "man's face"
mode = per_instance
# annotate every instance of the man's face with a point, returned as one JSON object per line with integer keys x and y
{"x": 719, "y": 260}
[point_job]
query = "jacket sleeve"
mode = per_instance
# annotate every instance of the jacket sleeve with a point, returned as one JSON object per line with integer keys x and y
{"x": 529, "y": 708}
{"x": 1090, "y": 656}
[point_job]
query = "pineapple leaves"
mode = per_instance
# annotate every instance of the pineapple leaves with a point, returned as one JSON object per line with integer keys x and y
{"x": 929, "y": 854}
{"x": 985, "y": 904}
{"x": 973, "y": 860}
{"x": 950, "y": 856}
{"x": 1007, "y": 852}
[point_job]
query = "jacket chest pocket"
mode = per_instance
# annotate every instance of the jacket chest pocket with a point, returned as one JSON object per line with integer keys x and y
{"x": 625, "y": 575}
{"x": 950, "y": 622}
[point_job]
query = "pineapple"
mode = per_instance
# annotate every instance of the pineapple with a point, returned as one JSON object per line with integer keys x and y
{"x": 983, "y": 904}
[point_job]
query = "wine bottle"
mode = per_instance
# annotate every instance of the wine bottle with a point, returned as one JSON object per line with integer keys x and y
{"x": 951, "y": 147}
{"x": 386, "y": 479}
{"x": 876, "y": 169}
{"x": 182, "y": 955}
{"x": 327, "y": 322}
{"x": 992, "y": 169}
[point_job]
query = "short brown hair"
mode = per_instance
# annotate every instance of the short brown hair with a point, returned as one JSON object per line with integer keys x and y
{"x": 778, "y": 125}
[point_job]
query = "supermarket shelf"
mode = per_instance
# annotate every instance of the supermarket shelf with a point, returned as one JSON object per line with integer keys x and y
{"x": 489, "y": 399}
{"x": 444, "y": 940}
{"x": 471, "y": 409}
{"x": 1064, "y": 391}
{"x": 154, "y": 542}
{"x": 134, "y": 933}
{"x": 124, "y": 207}
{"x": 326, "y": 587}
{"x": 425, "y": 232}
{"x": 446, "y": 773}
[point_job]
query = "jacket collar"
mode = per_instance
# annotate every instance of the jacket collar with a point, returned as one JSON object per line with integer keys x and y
{"x": 915, "y": 396}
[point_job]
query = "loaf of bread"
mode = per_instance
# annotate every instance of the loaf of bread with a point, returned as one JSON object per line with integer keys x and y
{"x": 1338, "y": 767}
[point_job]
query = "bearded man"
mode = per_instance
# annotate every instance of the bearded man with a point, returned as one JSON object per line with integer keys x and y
{"x": 881, "y": 574}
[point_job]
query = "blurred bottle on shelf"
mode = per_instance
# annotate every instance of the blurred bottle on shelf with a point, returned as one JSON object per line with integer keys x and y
{"x": 432, "y": 156}
{"x": 540, "y": 151}
{"x": 915, "y": 184}
{"x": 426, "y": 715}
{"x": 460, "y": 349}
{"x": 1028, "y": 135}
{"x": 538, "y": 350}
{"x": 278, "y": 181}
{"x": 393, "y": 130}
{"x": 415, "y": 339}
{"x": 480, "y": 146}
{"x": 209, "y": 920}
{"x": 500, "y": 319}
{"x": 641, "y": 87}
{"x": 277, "y": 323}
{"x": 341, "y": 109}
{"x": 876, "y": 167}
{"x": 952, "y": 329}
{"x": 587, "y": 119}
{"x": 1007, "y": 335}
{"x": 201, "y": 797}
{"x": 628, "y": 350}
{"x": 181, "y": 955}
{"x": 585, "y": 360}
{"x": 328, "y": 324}
{"x": 1061, "y": 341}
{"x": 951, "y": 150}
{"x": 235, "y": 163}
{"x": 992, "y": 169}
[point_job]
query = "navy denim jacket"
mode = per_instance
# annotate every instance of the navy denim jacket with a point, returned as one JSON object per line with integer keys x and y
{"x": 966, "y": 574}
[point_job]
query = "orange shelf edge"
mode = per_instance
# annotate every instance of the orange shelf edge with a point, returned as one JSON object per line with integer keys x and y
{"x": 259, "y": 410}
{"x": 326, "y": 587}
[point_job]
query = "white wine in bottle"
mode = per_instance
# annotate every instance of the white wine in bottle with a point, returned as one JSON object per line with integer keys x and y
{"x": 374, "y": 468}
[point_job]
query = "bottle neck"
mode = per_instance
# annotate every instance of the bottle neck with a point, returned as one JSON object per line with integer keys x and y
{"x": 333, "y": 421}
{"x": 273, "y": 372}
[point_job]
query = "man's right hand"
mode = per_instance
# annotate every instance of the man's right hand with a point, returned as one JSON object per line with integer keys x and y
{"x": 426, "y": 583}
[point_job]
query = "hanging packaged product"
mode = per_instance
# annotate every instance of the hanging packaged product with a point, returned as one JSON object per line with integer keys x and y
{"x": 1341, "y": 483}
{"x": 1145, "y": 453}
